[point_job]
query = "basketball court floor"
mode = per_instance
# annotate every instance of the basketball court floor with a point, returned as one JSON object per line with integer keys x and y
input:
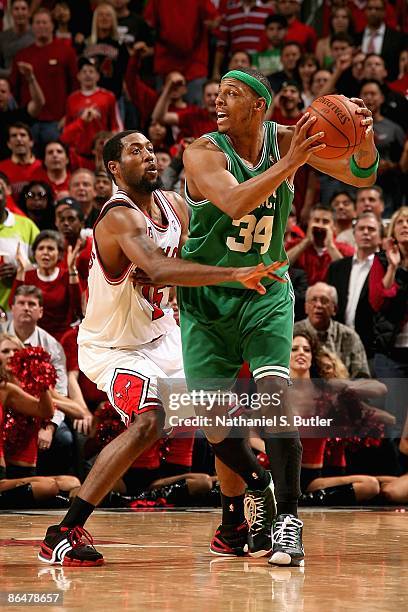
{"x": 357, "y": 559}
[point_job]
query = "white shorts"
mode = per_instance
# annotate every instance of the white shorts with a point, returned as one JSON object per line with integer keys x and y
{"x": 135, "y": 381}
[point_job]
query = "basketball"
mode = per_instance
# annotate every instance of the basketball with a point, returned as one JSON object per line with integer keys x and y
{"x": 336, "y": 117}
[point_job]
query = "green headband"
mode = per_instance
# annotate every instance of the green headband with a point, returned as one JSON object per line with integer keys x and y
{"x": 252, "y": 82}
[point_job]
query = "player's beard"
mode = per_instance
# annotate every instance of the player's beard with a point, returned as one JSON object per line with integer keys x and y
{"x": 146, "y": 186}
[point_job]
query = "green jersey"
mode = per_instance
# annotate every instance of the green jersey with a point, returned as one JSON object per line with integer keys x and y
{"x": 216, "y": 239}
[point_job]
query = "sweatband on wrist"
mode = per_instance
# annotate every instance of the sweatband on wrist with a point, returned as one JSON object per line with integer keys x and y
{"x": 252, "y": 82}
{"x": 363, "y": 172}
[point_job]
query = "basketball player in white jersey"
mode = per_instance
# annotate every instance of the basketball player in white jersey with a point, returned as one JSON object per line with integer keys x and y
{"x": 128, "y": 339}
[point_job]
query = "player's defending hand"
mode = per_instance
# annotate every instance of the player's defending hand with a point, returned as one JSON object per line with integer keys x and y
{"x": 251, "y": 277}
{"x": 302, "y": 145}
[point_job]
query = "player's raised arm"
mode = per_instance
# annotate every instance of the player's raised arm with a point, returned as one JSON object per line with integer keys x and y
{"x": 212, "y": 180}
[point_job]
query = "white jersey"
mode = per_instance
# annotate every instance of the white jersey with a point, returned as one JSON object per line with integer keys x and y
{"x": 120, "y": 314}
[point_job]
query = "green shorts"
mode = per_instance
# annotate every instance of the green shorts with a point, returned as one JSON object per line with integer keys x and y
{"x": 223, "y": 327}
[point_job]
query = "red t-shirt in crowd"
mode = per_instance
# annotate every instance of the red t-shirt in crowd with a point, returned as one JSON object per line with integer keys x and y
{"x": 62, "y": 301}
{"x": 316, "y": 264}
{"x": 183, "y": 41}
{"x": 105, "y": 102}
{"x": 19, "y": 174}
{"x": 55, "y": 67}
{"x": 303, "y": 34}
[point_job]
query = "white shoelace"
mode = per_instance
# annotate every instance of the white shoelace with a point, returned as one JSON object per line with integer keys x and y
{"x": 286, "y": 532}
{"x": 254, "y": 510}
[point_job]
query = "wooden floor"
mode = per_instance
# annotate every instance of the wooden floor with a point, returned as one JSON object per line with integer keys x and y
{"x": 159, "y": 561}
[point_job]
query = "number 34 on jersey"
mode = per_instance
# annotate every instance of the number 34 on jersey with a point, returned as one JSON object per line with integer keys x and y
{"x": 251, "y": 231}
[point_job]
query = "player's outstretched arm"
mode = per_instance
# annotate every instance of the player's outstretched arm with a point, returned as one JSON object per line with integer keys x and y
{"x": 208, "y": 178}
{"x": 127, "y": 227}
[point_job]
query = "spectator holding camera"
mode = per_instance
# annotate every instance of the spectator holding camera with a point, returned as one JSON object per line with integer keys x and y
{"x": 318, "y": 249}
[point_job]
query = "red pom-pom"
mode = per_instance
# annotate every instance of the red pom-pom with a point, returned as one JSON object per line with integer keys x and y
{"x": 108, "y": 425}
{"x": 33, "y": 369}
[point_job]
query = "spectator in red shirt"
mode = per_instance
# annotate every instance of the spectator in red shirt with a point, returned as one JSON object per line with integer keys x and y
{"x": 55, "y": 171}
{"x": 194, "y": 121}
{"x": 182, "y": 39}
{"x": 303, "y": 34}
{"x": 318, "y": 249}
{"x": 69, "y": 220}
{"x": 90, "y": 110}
{"x": 37, "y": 202}
{"x": 55, "y": 67}
{"x": 22, "y": 165}
{"x": 388, "y": 296}
{"x": 60, "y": 287}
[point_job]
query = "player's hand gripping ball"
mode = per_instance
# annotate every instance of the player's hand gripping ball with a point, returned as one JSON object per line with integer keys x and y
{"x": 343, "y": 128}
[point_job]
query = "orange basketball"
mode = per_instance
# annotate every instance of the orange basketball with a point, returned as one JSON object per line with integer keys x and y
{"x": 336, "y": 117}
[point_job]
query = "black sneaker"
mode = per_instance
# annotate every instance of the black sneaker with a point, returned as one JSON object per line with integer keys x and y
{"x": 260, "y": 511}
{"x": 287, "y": 547}
{"x": 65, "y": 546}
{"x": 230, "y": 541}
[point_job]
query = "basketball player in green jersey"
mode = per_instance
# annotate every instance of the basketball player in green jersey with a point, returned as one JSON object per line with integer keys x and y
{"x": 239, "y": 185}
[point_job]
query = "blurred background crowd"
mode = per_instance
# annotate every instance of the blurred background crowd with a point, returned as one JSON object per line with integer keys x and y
{"x": 72, "y": 74}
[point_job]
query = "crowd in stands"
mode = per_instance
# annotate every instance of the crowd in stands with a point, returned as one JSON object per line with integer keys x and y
{"x": 74, "y": 73}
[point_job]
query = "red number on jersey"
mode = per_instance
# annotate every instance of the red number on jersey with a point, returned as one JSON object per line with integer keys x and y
{"x": 154, "y": 296}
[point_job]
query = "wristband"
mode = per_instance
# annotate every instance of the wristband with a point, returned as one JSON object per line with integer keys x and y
{"x": 363, "y": 172}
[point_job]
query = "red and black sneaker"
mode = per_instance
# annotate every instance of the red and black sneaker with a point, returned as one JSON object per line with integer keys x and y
{"x": 230, "y": 540}
{"x": 66, "y": 546}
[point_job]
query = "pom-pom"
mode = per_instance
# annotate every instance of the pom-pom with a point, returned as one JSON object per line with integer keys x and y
{"x": 108, "y": 425}
{"x": 355, "y": 426}
{"x": 33, "y": 369}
